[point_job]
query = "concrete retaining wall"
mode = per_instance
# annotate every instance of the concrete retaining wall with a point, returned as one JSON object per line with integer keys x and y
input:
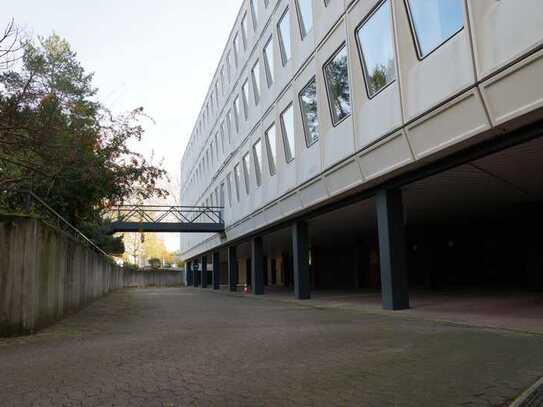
{"x": 153, "y": 278}
{"x": 46, "y": 274}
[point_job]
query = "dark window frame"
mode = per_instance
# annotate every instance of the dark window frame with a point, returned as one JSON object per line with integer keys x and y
{"x": 280, "y": 38}
{"x": 306, "y": 129}
{"x": 330, "y": 107}
{"x": 284, "y": 134}
{"x": 361, "y": 53}
{"x": 415, "y": 37}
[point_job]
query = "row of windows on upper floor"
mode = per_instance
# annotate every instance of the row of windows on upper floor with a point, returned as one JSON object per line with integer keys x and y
{"x": 226, "y": 71}
{"x": 376, "y": 50}
{"x": 305, "y": 16}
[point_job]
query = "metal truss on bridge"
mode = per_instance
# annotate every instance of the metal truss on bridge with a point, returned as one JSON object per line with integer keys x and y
{"x": 156, "y": 218}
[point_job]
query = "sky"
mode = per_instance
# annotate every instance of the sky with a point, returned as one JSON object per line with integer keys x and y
{"x": 158, "y": 54}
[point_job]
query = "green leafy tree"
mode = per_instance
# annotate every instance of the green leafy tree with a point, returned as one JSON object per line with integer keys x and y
{"x": 59, "y": 141}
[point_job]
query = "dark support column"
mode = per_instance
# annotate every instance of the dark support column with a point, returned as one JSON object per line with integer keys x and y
{"x": 188, "y": 272}
{"x": 392, "y": 250}
{"x": 196, "y": 275}
{"x": 300, "y": 253}
{"x": 216, "y": 270}
{"x": 257, "y": 266}
{"x": 273, "y": 267}
{"x": 203, "y": 277}
{"x": 232, "y": 269}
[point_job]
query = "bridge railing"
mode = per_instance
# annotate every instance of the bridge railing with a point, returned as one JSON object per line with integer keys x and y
{"x": 165, "y": 214}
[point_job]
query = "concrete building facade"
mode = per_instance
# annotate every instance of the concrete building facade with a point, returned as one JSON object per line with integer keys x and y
{"x": 371, "y": 143}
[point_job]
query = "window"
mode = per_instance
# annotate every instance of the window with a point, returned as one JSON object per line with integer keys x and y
{"x": 287, "y": 128}
{"x": 245, "y": 94}
{"x": 244, "y": 30}
{"x": 435, "y": 22}
{"x": 376, "y": 46}
{"x": 336, "y": 75}
{"x": 247, "y": 171}
{"x": 229, "y": 125}
{"x": 271, "y": 146}
{"x": 305, "y": 16}
{"x": 237, "y": 179}
{"x": 255, "y": 75}
{"x": 223, "y": 84}
{"x": 221, "y": 196}
{"x": 254, "y": 12}
{"x": 229, "y": 65}
{"x": 308, "y": 105}
{"x": 229, "y": 188}
{"x": 237, "y": 50}
{"x": 268, "y": 61}
{"x": 237, "y": 112}
{"x": 257, "y": 153}
{"x": 223, "y": 143}
{"x": 211, "y": 152}
{"x": 283, "y": 30}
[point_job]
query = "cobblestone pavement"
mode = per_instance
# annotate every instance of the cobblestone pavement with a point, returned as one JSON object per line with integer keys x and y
{"x": 177, "y": 347}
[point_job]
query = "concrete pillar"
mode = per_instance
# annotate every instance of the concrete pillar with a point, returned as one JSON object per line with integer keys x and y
{"x": 300, "y": 254}
{"x": 188, "y": 273}
{"x": 273, "y": 268}
{"x": 257, "y": 265}
{"x": 392, "y": 249}
{"x": 232, "y": 269}
{"x": 196, "y": 274}
{"x": 216, "y": 270}
{"x": 203, "y": 277}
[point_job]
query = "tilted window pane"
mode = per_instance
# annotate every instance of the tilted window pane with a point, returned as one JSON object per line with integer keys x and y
{"x": 271, "y": 146}
{"x": 237, "y": 112}
{"x": 377, "y": 48}
{"x": 237, "y": 179}
{"x": 336, "y": 75}
{"x": 308, "y": 105}
{"x": 245, "y": 93}
{"x": 287, "y": 127}
{"x": 229, "y": 126}
{"x": 237, "y": 50}
{"x": 244, "y": 30}
{"x": 257, "y": 151}
{"x": 211, "y": 153}
{"x": 223, "y": 143}
{"x": 247, "y": 171}
{"x": 305, "y": 12}
{"x": 229, "y": 188}
{"x": 255, "y": 74}
{"x": 269, "y": 62}
{"x": 229, "y": 65}
{"x": 435, "y": 22}
{"x": 223, "y": 84}
{"x": 221, "y": 196}
{"x": 284, "y": 37}
{"x": 254, "y": 11}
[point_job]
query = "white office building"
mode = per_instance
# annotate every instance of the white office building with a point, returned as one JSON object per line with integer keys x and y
{"x": 347, "y": 140}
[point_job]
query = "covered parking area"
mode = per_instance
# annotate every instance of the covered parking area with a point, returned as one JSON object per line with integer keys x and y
{"x": 461, "y": 243}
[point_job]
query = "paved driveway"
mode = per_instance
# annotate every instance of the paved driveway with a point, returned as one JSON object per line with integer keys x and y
{"x": 177, "y": 347}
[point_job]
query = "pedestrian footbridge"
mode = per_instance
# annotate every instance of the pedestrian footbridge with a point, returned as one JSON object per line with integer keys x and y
{"x": 164, "y": 219}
